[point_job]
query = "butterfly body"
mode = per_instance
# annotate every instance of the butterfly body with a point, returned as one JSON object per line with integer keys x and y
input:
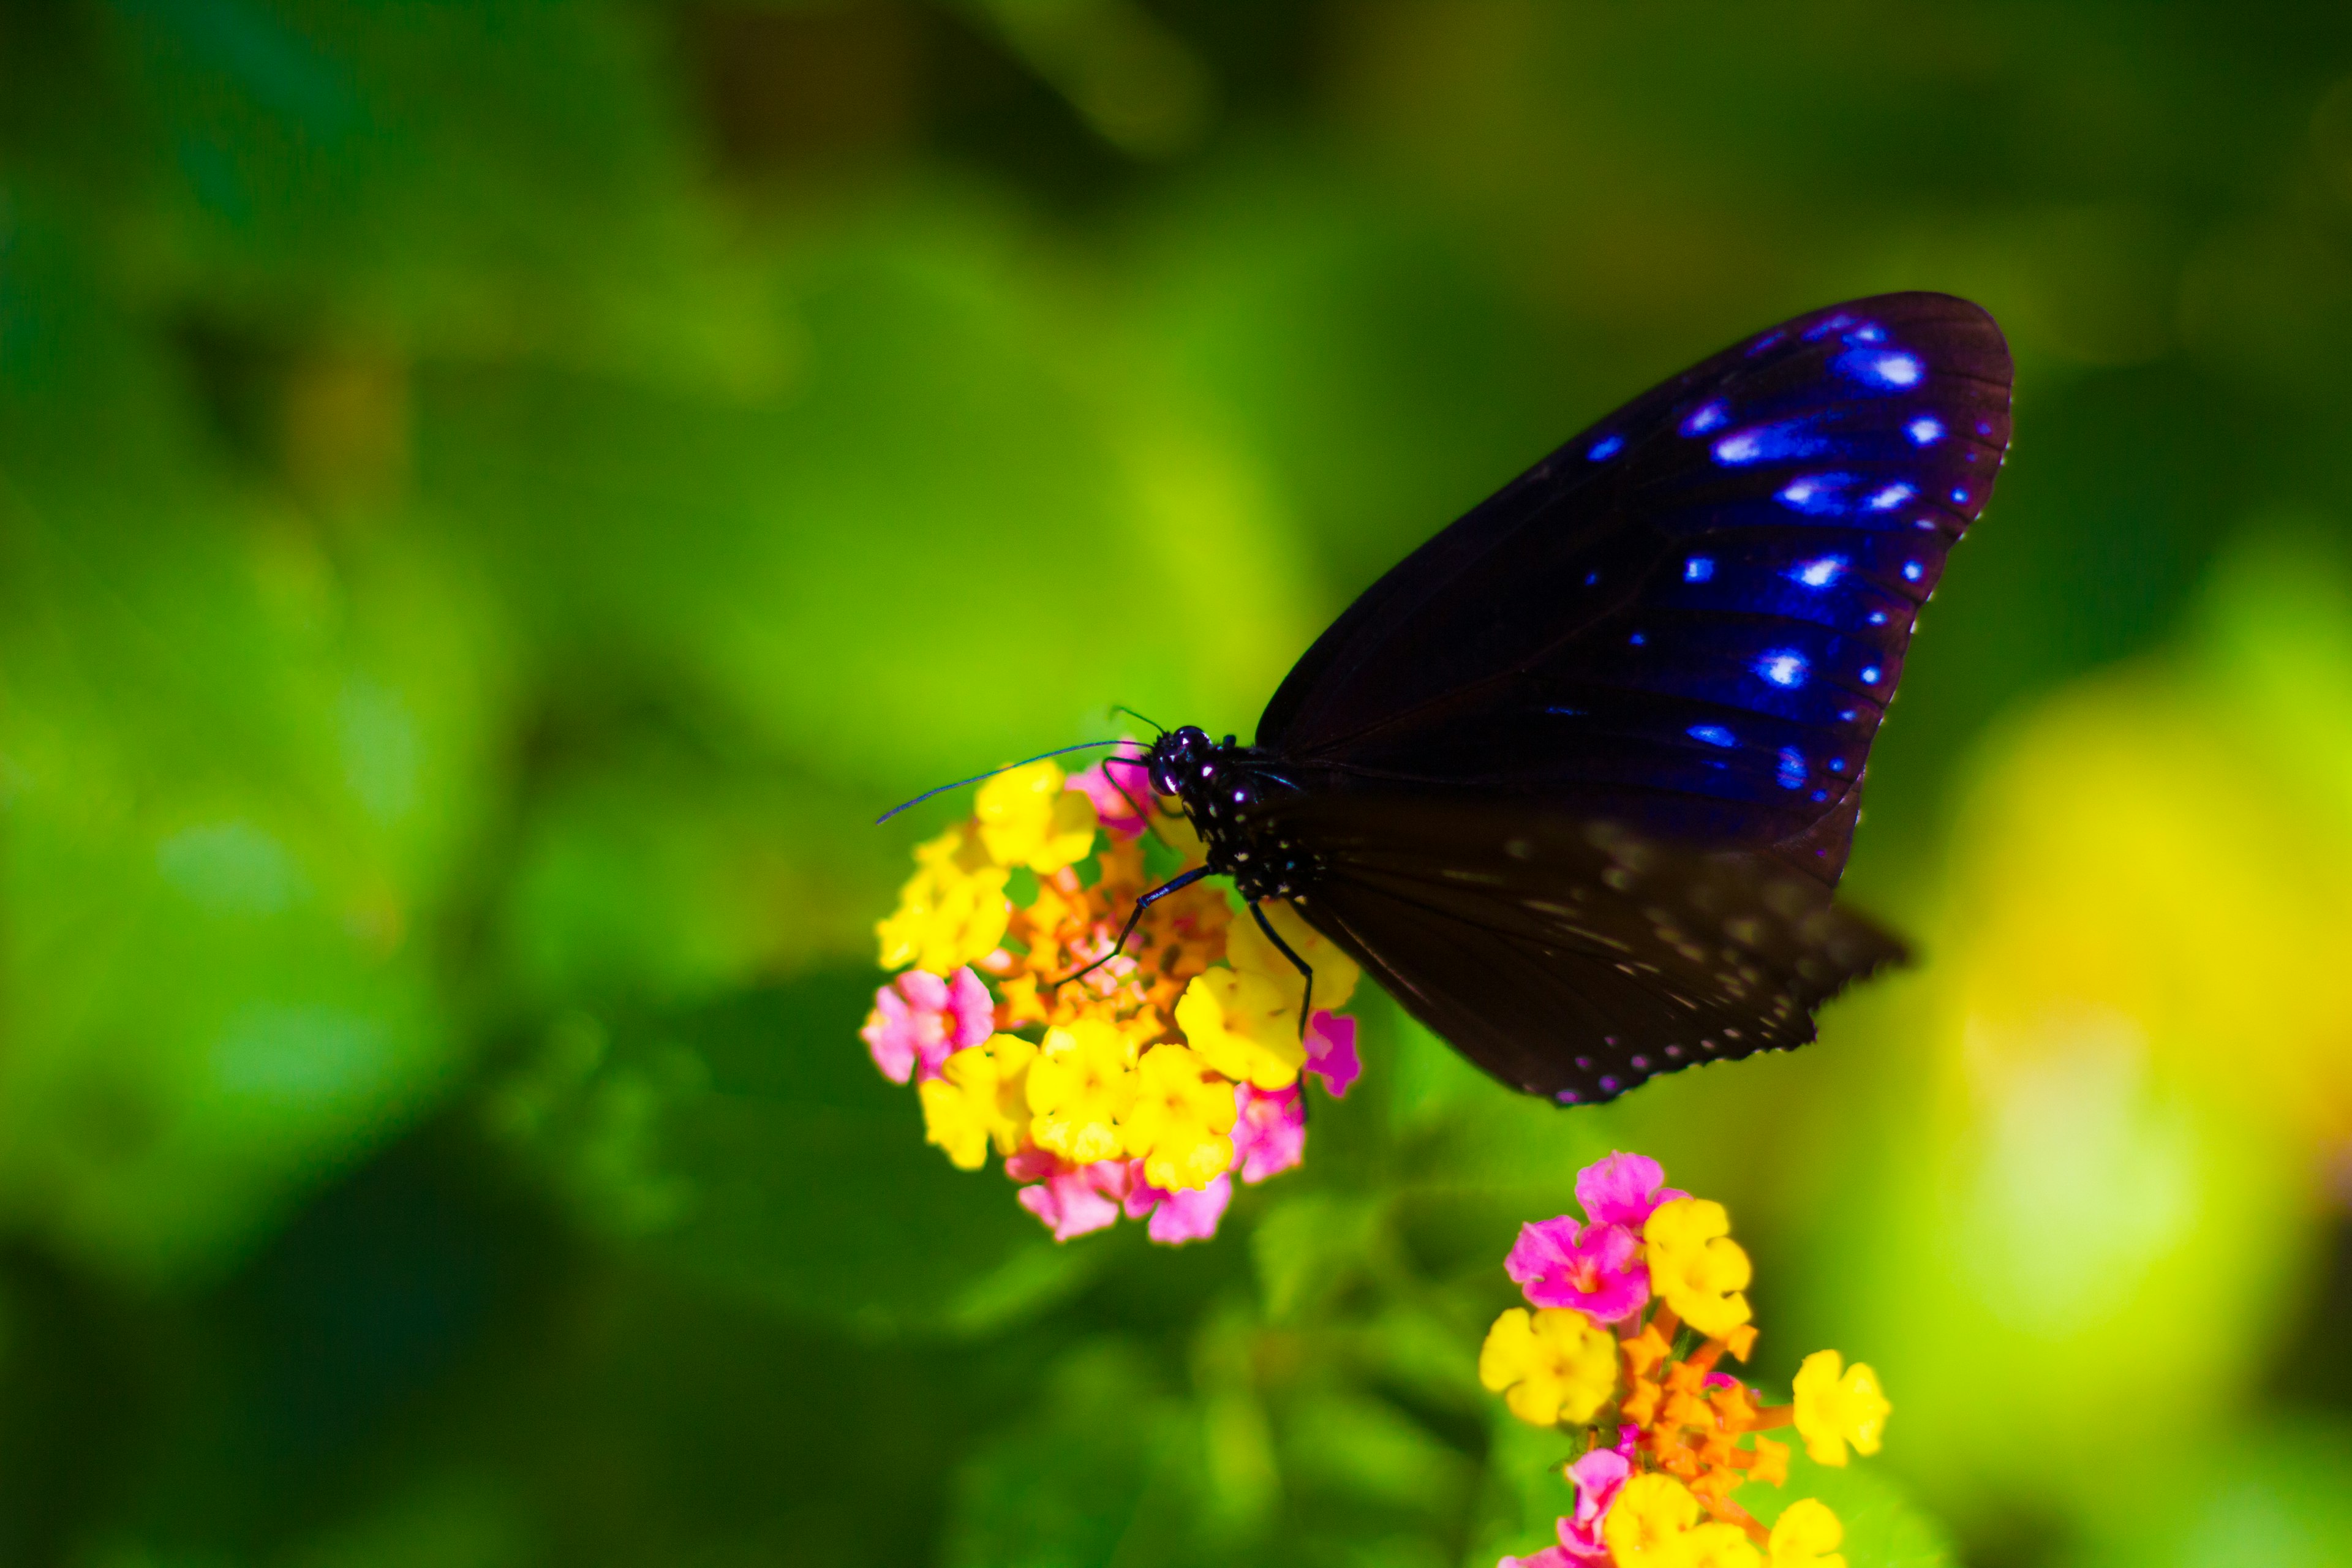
{"x": 1576, "y": 779}
{"x": 1224, "y": 791}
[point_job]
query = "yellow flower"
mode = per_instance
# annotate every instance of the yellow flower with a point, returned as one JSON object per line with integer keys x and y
{"x": 1550, "y": 1367}
{"x": 1177, "y": 831}
{"x": 982, "y": 1099}
{"x": 1648, "y": 1523}
{"x": 1080, "y": 1087}
{"x": 1832, "y": 1410}
{"x": 1697, "y": 1266}
{"x": 1244, "y": 1026}
{"x": 1027, "y": 818}
{"x": 1718, "y": 1545}
{"x": 1179, "y": 1124}
{"x": 1807, "y": 1535}
{"x": 952, "y": 912}
{"x": 1335, "y": 974}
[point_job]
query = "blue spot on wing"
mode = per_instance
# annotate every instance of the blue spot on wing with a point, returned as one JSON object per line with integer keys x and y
{"x": 1880, "y": 369}
{"x": 1707, "y": 417}
{"x": 1606, "y": 447}
{"x": 1713, "y": 734}
{"x": 1819, "y": 495}
{"x": 1771, "y": 443}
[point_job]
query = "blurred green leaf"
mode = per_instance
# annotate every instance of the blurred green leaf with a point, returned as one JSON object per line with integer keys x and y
{"x": 2280, "y": 1497}
{"x": 1106, "y": 1457}
{"x": 752, "y": 1146}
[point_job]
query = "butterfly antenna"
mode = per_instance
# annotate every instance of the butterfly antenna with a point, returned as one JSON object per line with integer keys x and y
{"x": 1123, "y": 708}
{"x": 1057, "y": 751}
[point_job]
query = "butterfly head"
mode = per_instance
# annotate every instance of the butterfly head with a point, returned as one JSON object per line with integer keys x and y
{"x": 1177, "y": 757}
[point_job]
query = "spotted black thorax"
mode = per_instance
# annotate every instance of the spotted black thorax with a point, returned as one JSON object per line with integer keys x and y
{"x": 1221, "y": 788}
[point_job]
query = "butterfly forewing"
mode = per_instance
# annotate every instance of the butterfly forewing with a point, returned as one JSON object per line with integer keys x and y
{"x": 1691, "y": 618}
{"x": 1574, "y": 958}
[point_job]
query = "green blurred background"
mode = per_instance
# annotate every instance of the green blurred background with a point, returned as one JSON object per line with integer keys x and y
{"x": 492, "y": 498}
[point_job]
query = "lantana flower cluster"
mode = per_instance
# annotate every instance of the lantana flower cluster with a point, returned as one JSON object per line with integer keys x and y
{"x": 1629, "y": 1315}
{"x": 1141, "y": 1089}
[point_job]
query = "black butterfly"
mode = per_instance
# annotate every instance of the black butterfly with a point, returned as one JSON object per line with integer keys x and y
{"x": 1576, "y": 778}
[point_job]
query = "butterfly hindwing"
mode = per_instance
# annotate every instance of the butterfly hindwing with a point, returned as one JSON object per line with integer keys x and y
{"x": 1691, "y": 618}
{"x": 1573, "y": 958}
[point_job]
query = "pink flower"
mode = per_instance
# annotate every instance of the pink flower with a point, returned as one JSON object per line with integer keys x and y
{"x": 1331, "y": 1050}
{"x": 1269, "y": 1133}
{"x": 1623, "y": 1190}
{"x": 1073, "y": 1199}
{"x": 1103, "y": 783}
{"x": 1180, "y": 1217}
{"x": 1598, "y": 1476}
{"x": 1031, "y": 1163}
{"x": 1549, "y": 1557}
{"x": 919, "y": 1019}
{"x": 1595, "y": 1268}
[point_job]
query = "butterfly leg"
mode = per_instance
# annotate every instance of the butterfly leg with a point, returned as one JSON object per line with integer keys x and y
{"x": 1141, "y": 904}
{"x": 1306, "y": 1002}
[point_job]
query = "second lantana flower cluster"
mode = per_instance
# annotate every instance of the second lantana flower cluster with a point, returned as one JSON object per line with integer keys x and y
{"x": 1140, "y": 1089}
{"x": 1629, "y": 1317}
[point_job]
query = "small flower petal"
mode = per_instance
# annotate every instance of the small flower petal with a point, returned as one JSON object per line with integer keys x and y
{"x": 1596, "y": 1269}
{"x": 952, "y": 912}
{"x": 1624, "y": 1189}
{"x": 1027, "y": 818}
{"x": 1270, "y": 1130}
{"x": 1179, "y": 1121}
{"x": 980, "y": 1098}
{"x": 1697, "y": 1266}
{"x": 1332, "y": 1051}
{"x": 1549, "y": 1557}
{"x": 1716, "y": 1544}
{"x": 1807, "y": 1535}
{"x": 1178, "y": 1217}
{"x": 1241, "y": 1023}
{"x": 1598, "y": 1477}
{"x": 918, "y": 1019}
{"x": 970, "y": 1013}
{"x": 1550, "y": 1366}
{"x": 1335, "y": 974}
{"x": 1069, "y": 1203}
{"x": 951, "y": 1121}
{"x": 1118, "y": 791}
{"x": 1646, "y": 1525}
{"x": 1080, "y": 1089}
{"x": 1833, "y": 1410}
